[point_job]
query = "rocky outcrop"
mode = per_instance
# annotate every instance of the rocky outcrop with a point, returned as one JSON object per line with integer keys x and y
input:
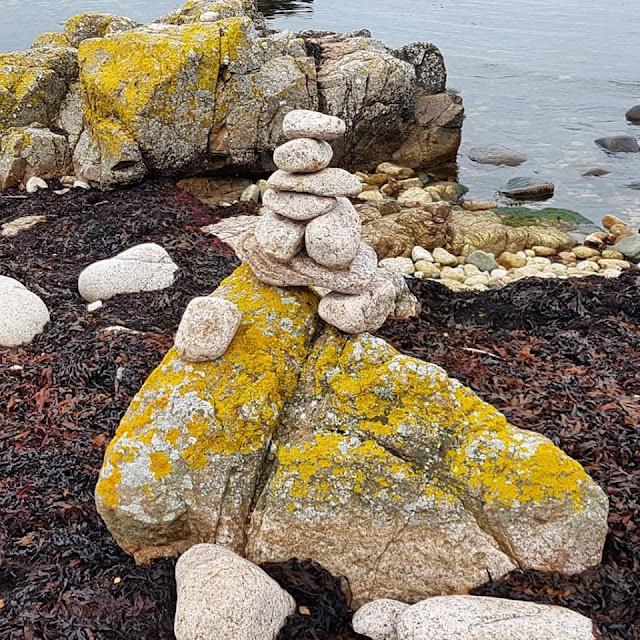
{"x": 206, "y": 87}
{"x": 302, "y": 441}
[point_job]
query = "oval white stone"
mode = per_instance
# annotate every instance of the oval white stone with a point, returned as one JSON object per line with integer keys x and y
{"x": 303, "y": 155}
{"x": 302, "y": 123}
{"x": 297, "y": 206}
{"x": 207, "y": 328}
{"x": 23, "y": 314}
{"x": 328, "y": 182}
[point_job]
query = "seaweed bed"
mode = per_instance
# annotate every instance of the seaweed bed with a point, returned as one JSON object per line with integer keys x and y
{"x": 558, "y": 357}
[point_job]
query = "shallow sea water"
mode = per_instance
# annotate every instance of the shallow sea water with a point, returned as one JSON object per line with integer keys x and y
{"x": 545, "y": 78}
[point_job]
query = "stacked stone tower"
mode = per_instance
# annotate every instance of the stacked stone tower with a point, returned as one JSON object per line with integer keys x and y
{"x": 310, "y": 234}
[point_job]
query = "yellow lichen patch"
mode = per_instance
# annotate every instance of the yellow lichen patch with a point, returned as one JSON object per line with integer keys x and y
{"x": 160, "y": 465}
{"x": 332, "y": 467}
{"x": 229, "y": 406}
{"x": 142, "y": 72}
{"x": 51, "y": 39}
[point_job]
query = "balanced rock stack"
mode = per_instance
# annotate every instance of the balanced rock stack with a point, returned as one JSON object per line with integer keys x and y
{"x": 311, "y": 235}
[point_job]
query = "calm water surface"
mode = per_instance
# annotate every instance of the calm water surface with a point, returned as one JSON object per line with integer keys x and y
{"x": 543, "y": 77}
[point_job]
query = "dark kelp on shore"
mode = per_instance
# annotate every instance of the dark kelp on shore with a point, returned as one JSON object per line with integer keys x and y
{"x": 556, "y": 356}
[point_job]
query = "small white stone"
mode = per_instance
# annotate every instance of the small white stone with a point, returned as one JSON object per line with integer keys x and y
{"x": 522, "y": 254}
{"x": 303, "y": 155}
{"x": 34, "y": 184}
{"x": 378, "y": 619}
{"x": 61, "y": 192}
{"x": 471, "y": 270}
{"x": 610, "y": 273}
{"x": 94, "y": 306}
{"x": 426, "y": 268}
{"x": 588, "y": 265}
{"x": 398, "y": 265}
{"x": 443, "y": 257}
{"x": 207, "y": 328}
{"x": 481, "y": 278}
{"x": 529, "y": 253}
{"x": 81, "y": 184}
{"x": 420, "y": 253}
{"x": 499, "y": 274}
{"x": 453, "y": 274}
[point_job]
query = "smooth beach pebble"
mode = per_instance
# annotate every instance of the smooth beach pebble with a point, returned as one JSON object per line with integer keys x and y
{"x": 301, "y": 123}
{"x": 303, "y": 155}
{"x": 279, "y": 238}
{"x": 297, "y": 206}
{"x": 328, "y": 182}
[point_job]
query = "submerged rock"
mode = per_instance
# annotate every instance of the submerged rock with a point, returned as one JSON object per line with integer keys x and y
{"x": 528, "y": 189}
{"x": 302, "y": 441}
{"x": 618, "y": 144}
{"x": 497, "y": 155}
{"x": 633, "y": 115}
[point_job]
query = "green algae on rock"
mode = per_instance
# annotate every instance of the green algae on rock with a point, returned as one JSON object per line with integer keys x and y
{"x": 303, "y": 441}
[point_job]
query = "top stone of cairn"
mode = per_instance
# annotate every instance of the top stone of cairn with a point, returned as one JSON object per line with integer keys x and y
{"x": 302, "y": 123}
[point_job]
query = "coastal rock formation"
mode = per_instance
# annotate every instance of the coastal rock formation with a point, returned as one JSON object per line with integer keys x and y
{"x": 145, "y": 267}
{"x": 470, "y": 618}
{"x": 221, "y": 596}
{"x": 205, "y": 88}
{"x": 302, "y": 441}
{"x": 23, "y": 314}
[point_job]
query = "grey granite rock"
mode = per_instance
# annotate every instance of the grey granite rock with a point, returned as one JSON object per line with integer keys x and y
{"x": 366, "y": 311}
{"x": 302, "y": 271}
{"x": 378, "y": 619}
{"x": 279, "y": 238}
{"x": 333, "y": 239}
{"x": 222, "y": 596}
{"x": 302, "y": 123}
{"x": 328, "y": 182}
{"x": 297, "y": 206}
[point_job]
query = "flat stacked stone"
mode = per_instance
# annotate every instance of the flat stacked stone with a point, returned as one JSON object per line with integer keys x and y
{"x": 311, "y": 235}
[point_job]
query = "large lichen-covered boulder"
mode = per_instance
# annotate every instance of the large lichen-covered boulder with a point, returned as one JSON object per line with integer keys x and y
{"x": 33, "y": 85}
{"x": 302, "y": 441}
{"x": 397, "y": 475}
{"x": 189, "y": 453}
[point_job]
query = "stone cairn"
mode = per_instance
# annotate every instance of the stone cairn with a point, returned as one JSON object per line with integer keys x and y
{"x": 311, "y": 235}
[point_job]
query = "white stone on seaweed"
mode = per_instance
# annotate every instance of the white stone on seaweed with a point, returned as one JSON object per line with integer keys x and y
{"x": 35, "y": 184}
{"x": 302, "y": 271}
{"x": 297, "y": 206}
{"x": 366, "y": 311}
{"x": 303, "y": 155}
{"x": 483, "y": 618}
{"x": 301, "y": 123}
{"x": 23, "y": 314}
{"x": 222, "y": 596}
{"x": 333, "y": 239}
{"x": 145, "y": 267}
{"x": 279, "y": 238}
{"x": 207, "y": 328}
{"x": 328, "y": 182}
